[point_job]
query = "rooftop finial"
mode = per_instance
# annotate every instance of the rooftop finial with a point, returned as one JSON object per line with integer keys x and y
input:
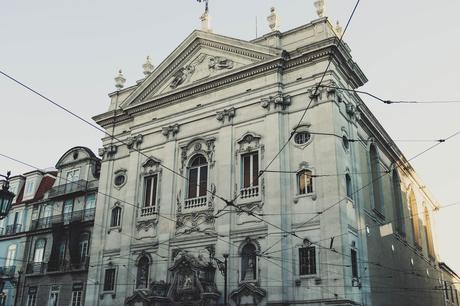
{"x": 320, "y": 8}
{"x": 205, "y": 19}
{"x": 338, "y": 29}
{"x": 120, "y": 80}
{"x": 148, "y": 67}
{"x": 273, "y": 20}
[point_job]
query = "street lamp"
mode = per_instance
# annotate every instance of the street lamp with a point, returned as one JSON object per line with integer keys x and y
{"x": 222, "y": 265}
{"x": 6, "y": 197}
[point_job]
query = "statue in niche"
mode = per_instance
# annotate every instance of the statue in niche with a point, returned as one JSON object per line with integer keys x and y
{"x": 249, "y": 263}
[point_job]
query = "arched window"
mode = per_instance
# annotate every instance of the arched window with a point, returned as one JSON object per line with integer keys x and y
{"x": 249, "y": 262}
{"x": 414, "y": 218}
{"x": 39, "y": 250}
{"x": 305, "y": 182}
{"x": 376, "y": 179}
{"x": 143, "y": 266}
{"x": 115, "y": 219}
{"x": 428, "y": 233}
{"x": 349, "y": 186}
{"x": 83, "y": 247}
{"x": 10, "y": 256}
{"x": 198, "y": 177}
{"x": 398, "y": 206}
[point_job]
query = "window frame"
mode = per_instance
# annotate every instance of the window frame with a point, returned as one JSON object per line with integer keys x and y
{"x": 43, "y": 250}
{"x": 153, "y": 192}
{"x": 200, "y": 190}
{"x": 311, "y": 183}
{"x": 54, "y": 291}
{"x": 378, "y": 199}
{"x": 308, "y": 250}
{"x": 114, "y": 280}
{"x": 251, "y": 156}
{"x": 119, "y": 219}
{"x": 10, "y": 260}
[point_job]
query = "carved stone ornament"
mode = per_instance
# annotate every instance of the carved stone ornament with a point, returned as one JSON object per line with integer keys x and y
{"x": 219, "y": 63}
{"x": 147, "y": 224}
{"x": 249, "y": 142}
{"x": 134, "y": 142}
{"x": 170, "y": 131}
{"x": 193, "y": 281}
{"x": 181, "y": 75}
{"x": 277, "y": 101}
{"x": 226, "y": 115}
{"x": 151, "y": 165}
{"x": 101, "y": 152}
{"x": 199, "y": 145}
{"x": 196, "y": 221}
{"x": 248, "y": 294}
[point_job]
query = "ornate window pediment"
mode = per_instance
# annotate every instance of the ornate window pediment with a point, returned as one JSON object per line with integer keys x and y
{"x": 199, "y": 145}
{"x": 249, "y": 142}
{"x": 151, "y": 165}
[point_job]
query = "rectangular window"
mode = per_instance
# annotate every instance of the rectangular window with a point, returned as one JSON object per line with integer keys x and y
{"x": 250, "y": 164}
{"x": 73, "y": 175}
{"x": 193, "y": 179}
{"x": 150, "y": 190}
{"x": 109, "y": 279}
{"x": 54, "y": 296}
{"x": 30, "y": 186}
{"x": 77, "y": 298}
{"x": 446, "y": 291}
{"x": 32, "y": 296}
{"x": 354, "y": 263}
{"x": 307, "y": 260}
{"x": 305, "y": 182}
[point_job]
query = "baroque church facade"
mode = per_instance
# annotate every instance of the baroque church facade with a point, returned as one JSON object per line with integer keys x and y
{"x": 211, "y": 157}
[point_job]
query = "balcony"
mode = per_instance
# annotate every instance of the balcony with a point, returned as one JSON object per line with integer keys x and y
{"x": 148, "y": 211}
{"x": 247, "y": 193}
{"x": 35, "y": 268}
{"x": 72, "y": 187}
{"x": 66, "y": 266}
{"x": 75, "y": 216}
{"x": 195, "y": 202}
{"x": 11, "y": 229}
{"x": 7, "y": 272}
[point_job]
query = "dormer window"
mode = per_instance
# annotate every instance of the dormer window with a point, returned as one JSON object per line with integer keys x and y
{"x": 30, "y": 186}
{"x": 73, "y": 175}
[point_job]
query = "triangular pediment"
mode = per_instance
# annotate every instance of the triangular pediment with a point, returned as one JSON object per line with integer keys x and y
{"x": 201, "y": 57}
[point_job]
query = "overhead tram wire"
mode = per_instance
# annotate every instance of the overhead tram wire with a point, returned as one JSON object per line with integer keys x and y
{"x": 101, "y": 130}
{"x": 124, "y": 202}
{"x": 293, "y": 233}
{"x": 391, "y": 101}
{"x": 380, "y": 177}
{"x": 231, "y": 203}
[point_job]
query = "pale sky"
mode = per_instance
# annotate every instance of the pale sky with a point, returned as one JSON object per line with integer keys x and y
{"x": 71, "y": 50}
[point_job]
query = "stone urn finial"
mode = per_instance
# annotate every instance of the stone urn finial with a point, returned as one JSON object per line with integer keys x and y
{"x": 148, "y": 67}
{"x": 120, "y": 80}
{"x": 338, "y": 29}
{"x": 273, "y": 20}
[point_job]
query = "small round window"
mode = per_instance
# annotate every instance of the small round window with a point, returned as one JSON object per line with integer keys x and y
{"x": 120, "y": 179}
{"x": 302, "y": 137}
{"x": 345, "y": 142}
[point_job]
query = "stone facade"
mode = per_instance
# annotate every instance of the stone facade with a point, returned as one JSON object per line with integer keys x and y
{"x": 50, "y": 229}
{"x": 183, "y": 185}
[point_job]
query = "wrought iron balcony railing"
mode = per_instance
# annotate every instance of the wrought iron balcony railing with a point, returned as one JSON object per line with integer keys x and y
{"x": 60, "y": 266}
{"x": 7, "y": 271}
{"x": 12, "y": 229}
{"x": 72, "y": 187}
{"x": 75, "y": 216}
